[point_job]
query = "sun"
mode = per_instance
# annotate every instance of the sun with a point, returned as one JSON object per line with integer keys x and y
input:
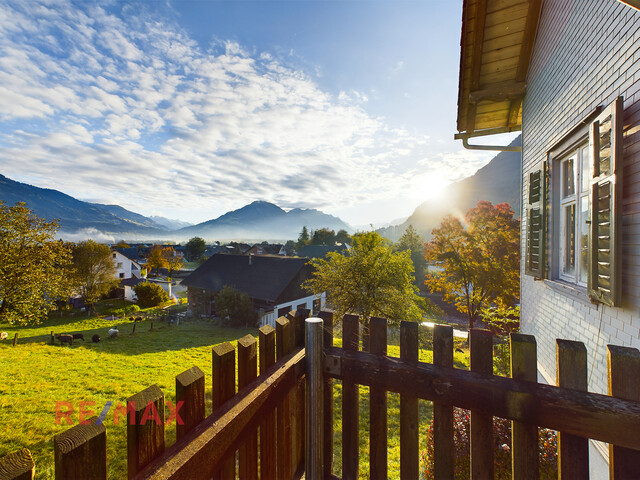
{"x": 429, "y": 185}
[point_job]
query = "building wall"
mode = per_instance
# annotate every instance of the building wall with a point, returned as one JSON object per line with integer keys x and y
{"x": 587, "y": 53}
{"x": 269, "y": 318}
{"x": 124, "y": 267}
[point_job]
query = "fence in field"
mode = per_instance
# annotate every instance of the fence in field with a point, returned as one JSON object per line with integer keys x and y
{"x": 273, "y": 428}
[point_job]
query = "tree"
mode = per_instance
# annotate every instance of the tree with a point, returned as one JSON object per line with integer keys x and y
{"x": 121, "y": 244}
{"x": 323, "y": 236}
{"x": 150, "y": 294}
{"x": 369, "y": 280}
{"x": 480, "y": 261}
{"x": 195, "y": 248}
{"x": 33, "y": 266}
{"x": 235, "y": 307}
{"x": 303, "y": 238}
{"x": 343, "y": 237}
{"x": 156, "y": 259}
{"x": 94, "y": 272}
{"x": 414, "y": 243}
{"x": 174, "y": 263}
{"x": 290, "y": 247}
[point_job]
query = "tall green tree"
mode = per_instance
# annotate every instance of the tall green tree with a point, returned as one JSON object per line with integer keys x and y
{"x": 480, "y": 259}
{"x": 413, "y": 242}
{"x": 343, "y": 236}
{"x": 34, "y": 267}
{"x": 369, "y": 280}
{"x": 235, "y": 307}
{"x": 323, "y": 236}
{"x": 94, "y": 271}
{"x": 195, "y": 248}
{"x": 303, "y": 238}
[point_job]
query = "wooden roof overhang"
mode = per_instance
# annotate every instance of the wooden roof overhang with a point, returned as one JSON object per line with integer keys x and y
{"x": 495, "y": 48}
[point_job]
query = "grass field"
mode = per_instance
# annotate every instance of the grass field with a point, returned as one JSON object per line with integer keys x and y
{"x": 37, "y": 375}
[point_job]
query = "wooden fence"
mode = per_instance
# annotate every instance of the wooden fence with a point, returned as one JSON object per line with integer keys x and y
{"x": 259, "y": 432}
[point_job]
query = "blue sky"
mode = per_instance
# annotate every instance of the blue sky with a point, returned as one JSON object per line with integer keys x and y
{"x": 189, "y": 109}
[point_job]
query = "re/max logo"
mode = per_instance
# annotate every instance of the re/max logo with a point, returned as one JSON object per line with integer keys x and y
{"x": 64, "y": 411}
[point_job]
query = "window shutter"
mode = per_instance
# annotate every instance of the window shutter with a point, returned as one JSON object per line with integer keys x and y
{"x": 536, "y": 224}
{"x": 605, "y": 139}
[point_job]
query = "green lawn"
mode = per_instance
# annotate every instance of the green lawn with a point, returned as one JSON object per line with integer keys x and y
{"x": 37, "y": 374}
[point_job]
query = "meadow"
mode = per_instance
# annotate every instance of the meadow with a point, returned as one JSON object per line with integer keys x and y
{"x": 37, "y": 375}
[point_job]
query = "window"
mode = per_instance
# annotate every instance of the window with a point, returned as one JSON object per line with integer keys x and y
{"x": 583, "y": 200}
{"x": 122, "y": 275}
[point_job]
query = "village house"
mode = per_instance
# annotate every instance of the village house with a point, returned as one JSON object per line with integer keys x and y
{"x": 568, "y": 75}
{"x": 272, "y": 282}
{"x": 266, "y": 249}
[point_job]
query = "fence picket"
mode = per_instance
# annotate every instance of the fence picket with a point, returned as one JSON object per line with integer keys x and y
{"x": 327, "y": 318}
{"x": 283, "y": 427}
{"x": 298, "y": 398}
{"x": 443, "y": 448}
{"x": 190, "y": 391}
{"x": 624, "y": 375}
{"x": 17, "y": 466}
{"x": 223, "y": 366}
{"x": 378, "y": 405}
{"x": 481, "y": 360}
{"x": 81, "y": 452}
{"x": 267, "y": 357}
{"x": 145, "y": 440}
{"x": 524, "y": 436}
{"x": 247, "y": 372}
{"x": 350, "y": 403}
{"x": 409, "y": 453}
{"x": 571, "y": 372}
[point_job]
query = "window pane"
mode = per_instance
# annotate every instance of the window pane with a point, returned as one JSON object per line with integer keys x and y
{"x": 569, "y": 261}
{"x": 568, "y": 179}
{"x": 584, "y": 238}
{"x": 586, "y": 168}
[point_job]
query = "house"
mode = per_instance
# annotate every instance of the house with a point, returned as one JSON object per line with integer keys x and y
{"x": 568, "y": 75}
{"x": 125, "y": 266}
{"x": 320, "y": 251}
{"x": 272, "y": 282}
{"x": 266, "y": 249}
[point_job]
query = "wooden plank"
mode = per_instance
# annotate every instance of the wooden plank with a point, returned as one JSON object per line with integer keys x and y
{"x": 268, "y": 439}
{"x": 476, "y": 62}
{"x": 190, "y": 391}
{"x": 247, "y": 373}
{"x": 283, "y": 427}
{"x": 350, "y": 403}
{"x": 623, "y": 382}
{"x": 298, "y": 424}
{"x": 524, "y": 436}
{"x": 378, "y": 405}
{"x": 443, "y": 447}
{"x": 223, "y": 367}
{"x": 571, "y": 372}
{"x": 81, "y": 452}
{"x": 202, "y": 451}
{"x": 145, "y": 429}
{"x": 481, "y": 436}
{"x": 409, "y": 413}
{"x": 17, "y": 466}
{"x": 327, "y": 318}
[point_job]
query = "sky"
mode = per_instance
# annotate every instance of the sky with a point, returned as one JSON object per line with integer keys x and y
{"x": 189, "y": 109}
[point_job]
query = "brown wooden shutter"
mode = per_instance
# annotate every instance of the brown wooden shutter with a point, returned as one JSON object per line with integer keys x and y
{"x": 536, "y": 224}
{"x": 605, "y": 139}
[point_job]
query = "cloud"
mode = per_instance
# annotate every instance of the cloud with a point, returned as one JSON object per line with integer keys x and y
{"x": 122, "y": 104}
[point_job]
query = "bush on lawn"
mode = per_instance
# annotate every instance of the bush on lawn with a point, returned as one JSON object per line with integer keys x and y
{"x": 235, "y": 308}
{"x": 122, "y": 311}
{"x": 547, "y": 448}
{"x": 150, "y": 294}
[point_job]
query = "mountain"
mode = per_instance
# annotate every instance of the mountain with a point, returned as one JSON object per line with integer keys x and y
{"x": 262, "y": 220}
{"x": 497, "y": 182}
{"x": 75, "y": 215}
{"x": 170, "y": 223}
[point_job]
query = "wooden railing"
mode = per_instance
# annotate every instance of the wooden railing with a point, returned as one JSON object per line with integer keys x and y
{"x": 272, "y": 405}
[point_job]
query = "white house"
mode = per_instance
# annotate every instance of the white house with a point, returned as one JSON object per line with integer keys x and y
{"x": 125, "y": 267}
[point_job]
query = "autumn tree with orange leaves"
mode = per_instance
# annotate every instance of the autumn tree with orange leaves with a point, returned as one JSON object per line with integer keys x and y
{"x": 480, "y": 259}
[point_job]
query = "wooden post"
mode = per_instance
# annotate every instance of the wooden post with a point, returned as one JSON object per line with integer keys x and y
{"x": 15, "y": 339}
{"x": 409, "y": 452}
{"x": 247, "y": 372}
{"x": 81, "y": 452}
{"x": 624, "y": 382}
{"x": 145, "y": 439}
{"x": 268, "y": 439}
{"x": 133, "y": 331}
{"x": 53, "y": 338}
{"x": 17, "y": 466}
{"x": 297, "y": 396}
{"x": 350, "y": 404}
{"x": 314, "y": 414}
{"x": 283, "y": 427}
{"x": 327, "y": 318}
{"x": 524, "y": 436}
{"x": 151, "y": 328}
{"x": 481, "y": 353}
{"x": 443, "y": 448}
{"x": 571, "y": 373}
{"x": 378, "y": 404}
{"x": 190, "y": 390}
{"x": 223, "y": 366}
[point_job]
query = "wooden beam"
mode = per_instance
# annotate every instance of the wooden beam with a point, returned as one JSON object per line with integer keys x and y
{"x": 604, "y": 418}
{"x": 528, "y": 39}
{"x": 499, "y": 92}
{"x": 476, "y": 64}
{"x": 199, "y": 453}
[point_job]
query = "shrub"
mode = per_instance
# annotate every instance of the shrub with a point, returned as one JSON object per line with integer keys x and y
{"x": 547, "y": 448}
{"x": 120, "y": 311}
{"x": 235, "y": 308}
{"x": 150, "y": 294}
